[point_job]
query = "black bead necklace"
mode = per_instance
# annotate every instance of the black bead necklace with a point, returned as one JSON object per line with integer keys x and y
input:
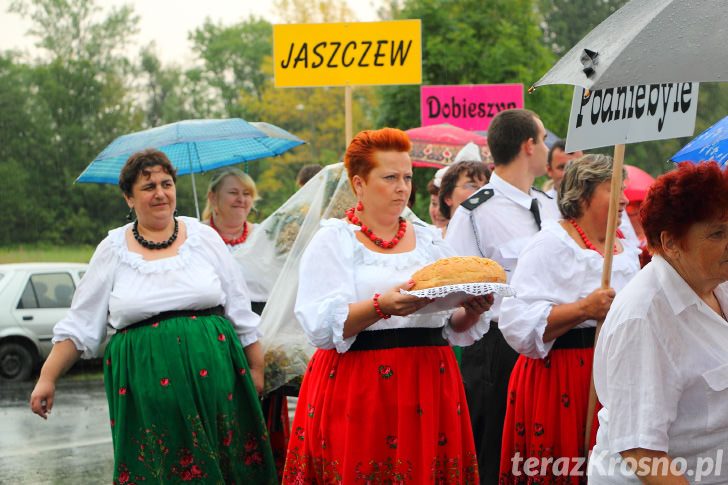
{"x": 152, "y": 244}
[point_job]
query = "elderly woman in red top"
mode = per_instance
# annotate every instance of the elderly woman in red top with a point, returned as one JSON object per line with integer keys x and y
{"x": 382, "y": 400}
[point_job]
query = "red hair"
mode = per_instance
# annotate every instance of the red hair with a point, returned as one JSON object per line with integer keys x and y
{"x": 359, "y": 157}
{"x": 678, "y": 199}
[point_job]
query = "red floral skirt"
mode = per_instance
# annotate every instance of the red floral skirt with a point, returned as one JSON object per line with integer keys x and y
{"x": 546, "y": 419}
{"x": 382, "y": 416}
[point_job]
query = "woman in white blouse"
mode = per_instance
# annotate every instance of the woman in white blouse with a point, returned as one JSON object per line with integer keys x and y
{"x": 661, "y": 363}
{"x": 182, "y": 369}
{"x": 382, "y": 400}
{"x": 551, "y": 323}
{"x": 231, "y": 196}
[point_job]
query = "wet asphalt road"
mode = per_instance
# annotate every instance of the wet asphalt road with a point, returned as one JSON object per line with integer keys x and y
{"x": 72, "y": 447}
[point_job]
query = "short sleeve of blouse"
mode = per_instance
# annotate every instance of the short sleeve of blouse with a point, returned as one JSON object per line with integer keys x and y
{"x": 325, "y": 290}
{"x": 85, "y": 322}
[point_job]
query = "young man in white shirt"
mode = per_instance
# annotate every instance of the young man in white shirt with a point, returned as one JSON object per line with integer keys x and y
{"x": 496, "y": 222}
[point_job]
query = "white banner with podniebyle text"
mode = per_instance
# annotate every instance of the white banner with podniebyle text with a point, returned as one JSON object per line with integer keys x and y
{"x": 631, "y": 114}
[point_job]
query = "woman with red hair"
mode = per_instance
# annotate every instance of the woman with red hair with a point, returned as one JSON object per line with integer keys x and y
{"x": 660, "y": 365}
{"x": 382, "y": 400}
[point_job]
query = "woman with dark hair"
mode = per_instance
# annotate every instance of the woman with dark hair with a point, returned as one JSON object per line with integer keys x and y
{"x": 438, "y": 220}
{"x": 552, "y": 322}
{"x": 660, "y": 365}
{"x": 184, "y": 367}
{"x": 382, "y": 400}
{"x": 460, "y": 181}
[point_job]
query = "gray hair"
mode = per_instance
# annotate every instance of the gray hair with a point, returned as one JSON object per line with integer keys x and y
{"x": 581, "y": 177}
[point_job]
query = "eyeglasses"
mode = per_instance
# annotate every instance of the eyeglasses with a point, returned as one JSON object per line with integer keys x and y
{"x": 470, "y": 186}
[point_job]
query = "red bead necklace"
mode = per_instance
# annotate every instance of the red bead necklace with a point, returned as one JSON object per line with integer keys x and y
{"x": 586, "y": 240}
{"x": 232, "y": 242}
{"x": 376, "y": 239}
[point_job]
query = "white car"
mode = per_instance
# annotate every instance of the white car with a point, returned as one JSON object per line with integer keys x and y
{"x": 33, "y": 297}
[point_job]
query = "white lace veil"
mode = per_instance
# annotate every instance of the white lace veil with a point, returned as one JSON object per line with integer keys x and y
{"x": 271, "y": 257}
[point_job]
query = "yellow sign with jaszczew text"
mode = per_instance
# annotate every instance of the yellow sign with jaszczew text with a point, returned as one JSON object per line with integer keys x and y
{"x": 347, "y": 54}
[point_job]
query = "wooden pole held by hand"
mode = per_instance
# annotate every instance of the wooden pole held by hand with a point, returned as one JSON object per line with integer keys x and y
{"x": 614, "y": 196}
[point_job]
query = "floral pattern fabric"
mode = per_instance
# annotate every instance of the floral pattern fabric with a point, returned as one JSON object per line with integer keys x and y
{"x": 382, "y": 416}
{"x": 546, "y": 419}
{"x": 182, "y": 405}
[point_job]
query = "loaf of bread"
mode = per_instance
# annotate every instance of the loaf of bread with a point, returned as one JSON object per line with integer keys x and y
{"x": 458, "y": 270}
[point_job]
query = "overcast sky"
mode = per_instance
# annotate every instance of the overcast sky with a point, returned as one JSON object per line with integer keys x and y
{"x": 168, "y": 21}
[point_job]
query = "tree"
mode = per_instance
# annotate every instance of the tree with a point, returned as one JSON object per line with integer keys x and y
{"x": 67, "y": 29}
{"x": 309, "y": 12}
{"x": 233, "y": 57}
{"x": 566, "y": 22}
{"x": 472, "y": 42}
{"x": 74, "y": 100}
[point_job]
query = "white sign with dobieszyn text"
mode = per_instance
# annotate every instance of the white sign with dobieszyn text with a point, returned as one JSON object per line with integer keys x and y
{"x": 631, "y": 114}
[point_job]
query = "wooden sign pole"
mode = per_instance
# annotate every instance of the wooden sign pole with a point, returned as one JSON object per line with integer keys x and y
{"x": 615, "y": 195}
{"x": 347, "y": 114}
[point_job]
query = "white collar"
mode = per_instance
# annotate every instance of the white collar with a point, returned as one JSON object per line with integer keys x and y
{"x": 510, "y": 191}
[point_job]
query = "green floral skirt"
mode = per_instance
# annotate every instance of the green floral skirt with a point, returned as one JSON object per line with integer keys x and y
{"x": 183, "y": 406}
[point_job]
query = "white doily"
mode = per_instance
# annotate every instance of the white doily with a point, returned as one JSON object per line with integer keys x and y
{"x": 451, "y": 296}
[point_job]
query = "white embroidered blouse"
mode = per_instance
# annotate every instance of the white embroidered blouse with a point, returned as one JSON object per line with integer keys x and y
{"x": 336, "y": 270}
{"x": 554, "y": 270}
{"x": 121, "y": 288}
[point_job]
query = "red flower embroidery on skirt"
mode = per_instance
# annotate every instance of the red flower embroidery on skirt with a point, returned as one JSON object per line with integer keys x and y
{"x": 241, "y": 371}
{"x": 392, "y": 441}
{"x": 253, "y": 459}
{"x": 122, "y": 391}
{"x": 193, "y": 317}
{"x": 186, "y": 460}
{"x": 123, "y": 477}
{"x": 108, "y": 361}
{"x": 442, "y": 367}
{"x": 251, "y": 445}
{"x": 385, "y": 371}
{"x": 538, "y": 429}
{"x": 221, "y": 337}
{"x": 155, "y": 324}
{"x": 164, "y": 381}
{"x": 203, "y": 372}
{"x": 230, "y": 396}
{"x": 442, "y": 439}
